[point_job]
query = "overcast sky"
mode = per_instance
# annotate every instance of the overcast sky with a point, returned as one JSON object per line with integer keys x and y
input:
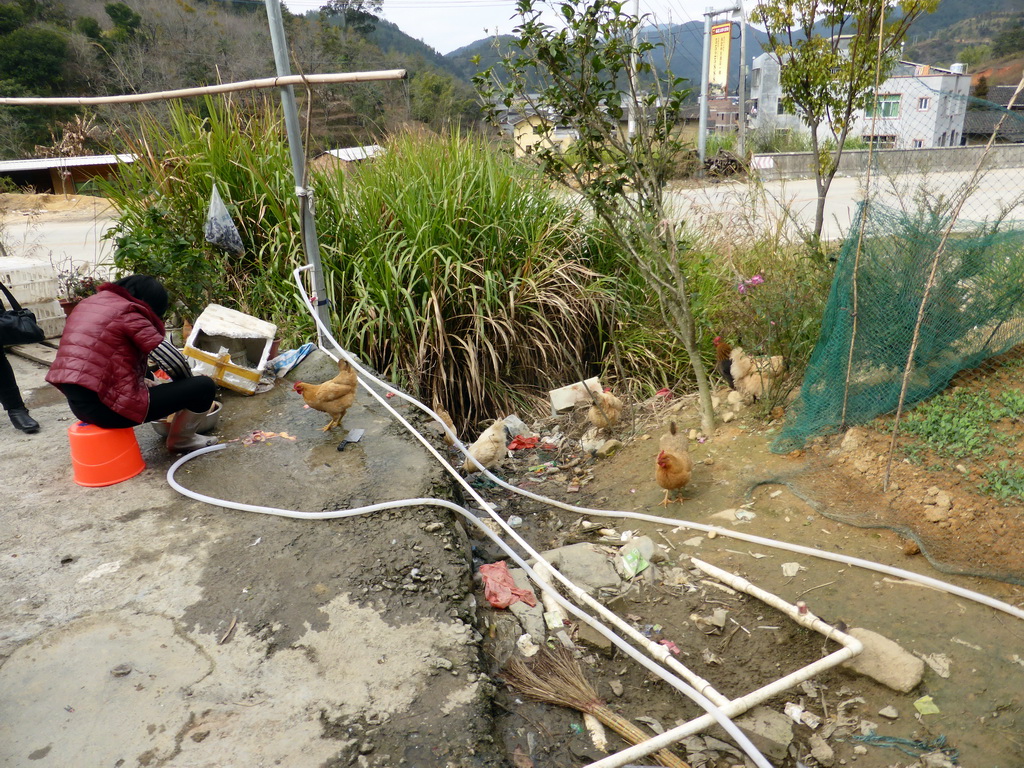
{"x": 450, "y": 24}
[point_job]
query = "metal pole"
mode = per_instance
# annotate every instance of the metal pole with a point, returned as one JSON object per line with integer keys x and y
{"x": 310, "y": 244}
{"x": 702, "y": 128}
{"x": 741, "y": 139}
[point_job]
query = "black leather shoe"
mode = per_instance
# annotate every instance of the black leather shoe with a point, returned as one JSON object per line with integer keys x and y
{"x": 21, "y": 420}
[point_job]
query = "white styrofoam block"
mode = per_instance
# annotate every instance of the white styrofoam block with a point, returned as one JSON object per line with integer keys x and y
{"x": 564, "y": 398}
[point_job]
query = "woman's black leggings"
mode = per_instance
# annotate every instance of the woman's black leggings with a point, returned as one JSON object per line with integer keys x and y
{"x": 195, "y": 394}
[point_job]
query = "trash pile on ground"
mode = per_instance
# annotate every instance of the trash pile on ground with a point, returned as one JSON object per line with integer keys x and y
{"x": 734, "y": 641}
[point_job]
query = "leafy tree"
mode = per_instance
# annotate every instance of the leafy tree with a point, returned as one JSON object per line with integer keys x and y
{"x": 973, "y": 55}
{"x": 89, "y": 27}
{"x": 981, "y": 89}
{"x": 1010, "y": 39}
{"x": 34, "y": 57}
{"x": 126, "y": 21}
{"x": 830, "y": 56}
{"x": 438, "y": 99}
{"x": 11, "y": 17}
{"x": 359, "y": 16}
{"x": 582, "y": 76}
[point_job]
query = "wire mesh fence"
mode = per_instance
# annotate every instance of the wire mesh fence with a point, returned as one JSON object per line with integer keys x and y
{"x": 913, "y": 402}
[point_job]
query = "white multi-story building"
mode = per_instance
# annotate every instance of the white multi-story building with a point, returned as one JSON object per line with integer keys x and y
{"x": 918, "y": 106}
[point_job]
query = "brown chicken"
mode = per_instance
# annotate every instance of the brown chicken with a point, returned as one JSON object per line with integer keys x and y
{"x": 753, "y": 376}
{"x": 606, "y": 410}
{"x": 722, "y": 362}
{"x": 446, "y": 418}
{"x": 673, "y": 467}
{"x": 333, "y": 397}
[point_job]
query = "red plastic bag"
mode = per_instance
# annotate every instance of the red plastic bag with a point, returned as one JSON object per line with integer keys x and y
{"x": 499, "y": 588}
{"x": 519, "y": 442}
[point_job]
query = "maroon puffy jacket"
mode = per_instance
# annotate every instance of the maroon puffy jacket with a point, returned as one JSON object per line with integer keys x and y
{"x": 104, "y": 348}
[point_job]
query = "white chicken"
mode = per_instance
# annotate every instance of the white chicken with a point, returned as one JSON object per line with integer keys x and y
{"x": 489, "y": 448}
{"x": 753, "y": 376}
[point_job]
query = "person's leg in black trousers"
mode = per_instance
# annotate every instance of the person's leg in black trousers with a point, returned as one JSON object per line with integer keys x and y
{"x": 11, "y": 400}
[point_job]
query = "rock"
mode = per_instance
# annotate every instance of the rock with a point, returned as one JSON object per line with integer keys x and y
{"x": 531, "y": 618}
{"x": 734, "y": 398}
{"x": 616, "y": 687}
{"x": 771, "y": 731}
{"x": 585, "y": 565}
{"x": 728, "y": 416}
{"x": 890, "y": 712}
{"x": 643, "y": 544}
{"x": 609, "y": 448}
{"x": 935, "y": 514}
{"x": 821, "y": 751}
{"x": 936, "y": 759}
{"x": 725, "y": 514}
{"x": 715, "y": 402}
{"x": 694, "y": 434}
{"x": 590, "y": 637}
{"x": 885, "y": 661}
{"x": 860, "y": 749}
{"x": 853, "y": 439}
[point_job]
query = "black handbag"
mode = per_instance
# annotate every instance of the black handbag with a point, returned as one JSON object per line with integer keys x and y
{"x": 17, "y": 324}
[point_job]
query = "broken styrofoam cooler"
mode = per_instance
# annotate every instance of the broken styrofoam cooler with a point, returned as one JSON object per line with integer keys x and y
{"x": 564, "y": 398}
{"x": 49, "y": 316}
{"x": 231, "y": 347}
{"x": 30, "y": 281}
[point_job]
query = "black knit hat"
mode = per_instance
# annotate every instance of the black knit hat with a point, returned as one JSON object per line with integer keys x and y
{"x": 148, "y": 289}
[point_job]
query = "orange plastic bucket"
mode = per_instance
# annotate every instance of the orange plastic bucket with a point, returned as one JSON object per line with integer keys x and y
{"x": 103, "y": 456}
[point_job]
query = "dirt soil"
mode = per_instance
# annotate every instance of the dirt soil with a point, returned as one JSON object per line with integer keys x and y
{"x": 977, "y": 650}
{"x": 269, "y": 641}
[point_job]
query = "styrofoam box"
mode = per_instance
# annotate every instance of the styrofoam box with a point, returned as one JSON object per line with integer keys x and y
{"x": 230, "y": 346}
{"x": 30, "y": 281}
{"x": 50, "y": 317}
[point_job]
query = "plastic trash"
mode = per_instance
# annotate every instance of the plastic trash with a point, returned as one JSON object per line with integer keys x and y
{"x": 220, "y": 229}
{"x": 499, "y": 587}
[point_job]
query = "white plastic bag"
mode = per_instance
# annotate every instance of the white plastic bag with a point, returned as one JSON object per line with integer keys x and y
{"x": 220, "y": 230}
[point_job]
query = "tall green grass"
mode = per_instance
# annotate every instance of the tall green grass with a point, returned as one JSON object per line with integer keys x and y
{"x": 162, "y": 199}
{"x": 461, "y": 276}
{"x": 450, "y": 268}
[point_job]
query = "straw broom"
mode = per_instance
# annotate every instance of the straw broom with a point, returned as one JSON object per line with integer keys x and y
{"x": 555, "y": 677}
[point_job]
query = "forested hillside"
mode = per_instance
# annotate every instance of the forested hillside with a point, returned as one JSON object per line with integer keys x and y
{"x": 92, "y": 47}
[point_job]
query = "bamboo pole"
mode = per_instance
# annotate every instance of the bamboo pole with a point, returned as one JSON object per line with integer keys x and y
{"x": 863, "y": 223}
{"x": 184, "y": 93}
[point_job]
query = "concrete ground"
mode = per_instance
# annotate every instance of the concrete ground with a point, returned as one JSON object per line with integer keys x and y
{"x": 142, "y": 628}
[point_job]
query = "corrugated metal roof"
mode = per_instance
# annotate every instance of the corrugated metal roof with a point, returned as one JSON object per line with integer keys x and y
{"x": 45, "y": 163}
{"x": 350, "y": 154}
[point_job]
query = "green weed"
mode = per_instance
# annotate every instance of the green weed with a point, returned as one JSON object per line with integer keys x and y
{"x": 956, "y": 424}
{"x": 1005, "y": 482}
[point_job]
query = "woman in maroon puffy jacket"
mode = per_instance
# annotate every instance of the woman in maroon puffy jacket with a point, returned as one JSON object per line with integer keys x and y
{"x": 101, "y": 364}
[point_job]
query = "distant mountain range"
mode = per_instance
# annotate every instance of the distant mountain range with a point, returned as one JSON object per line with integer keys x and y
{"x": 685, "y": 41}
{"x": 683, "y": 44}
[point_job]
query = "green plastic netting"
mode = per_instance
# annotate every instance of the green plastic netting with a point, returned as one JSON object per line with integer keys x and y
{"x": 974, "y": 311}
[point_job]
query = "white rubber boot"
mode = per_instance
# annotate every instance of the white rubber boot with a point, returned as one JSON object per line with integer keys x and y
{"x": 181, "y": 435}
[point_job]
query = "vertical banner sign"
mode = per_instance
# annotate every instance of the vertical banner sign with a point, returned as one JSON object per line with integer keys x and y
{"x": 718, "y": 72}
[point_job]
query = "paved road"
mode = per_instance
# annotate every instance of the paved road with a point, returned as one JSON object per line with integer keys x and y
{"x": 60, "y": 237}
{"x": 741, "y": 208}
